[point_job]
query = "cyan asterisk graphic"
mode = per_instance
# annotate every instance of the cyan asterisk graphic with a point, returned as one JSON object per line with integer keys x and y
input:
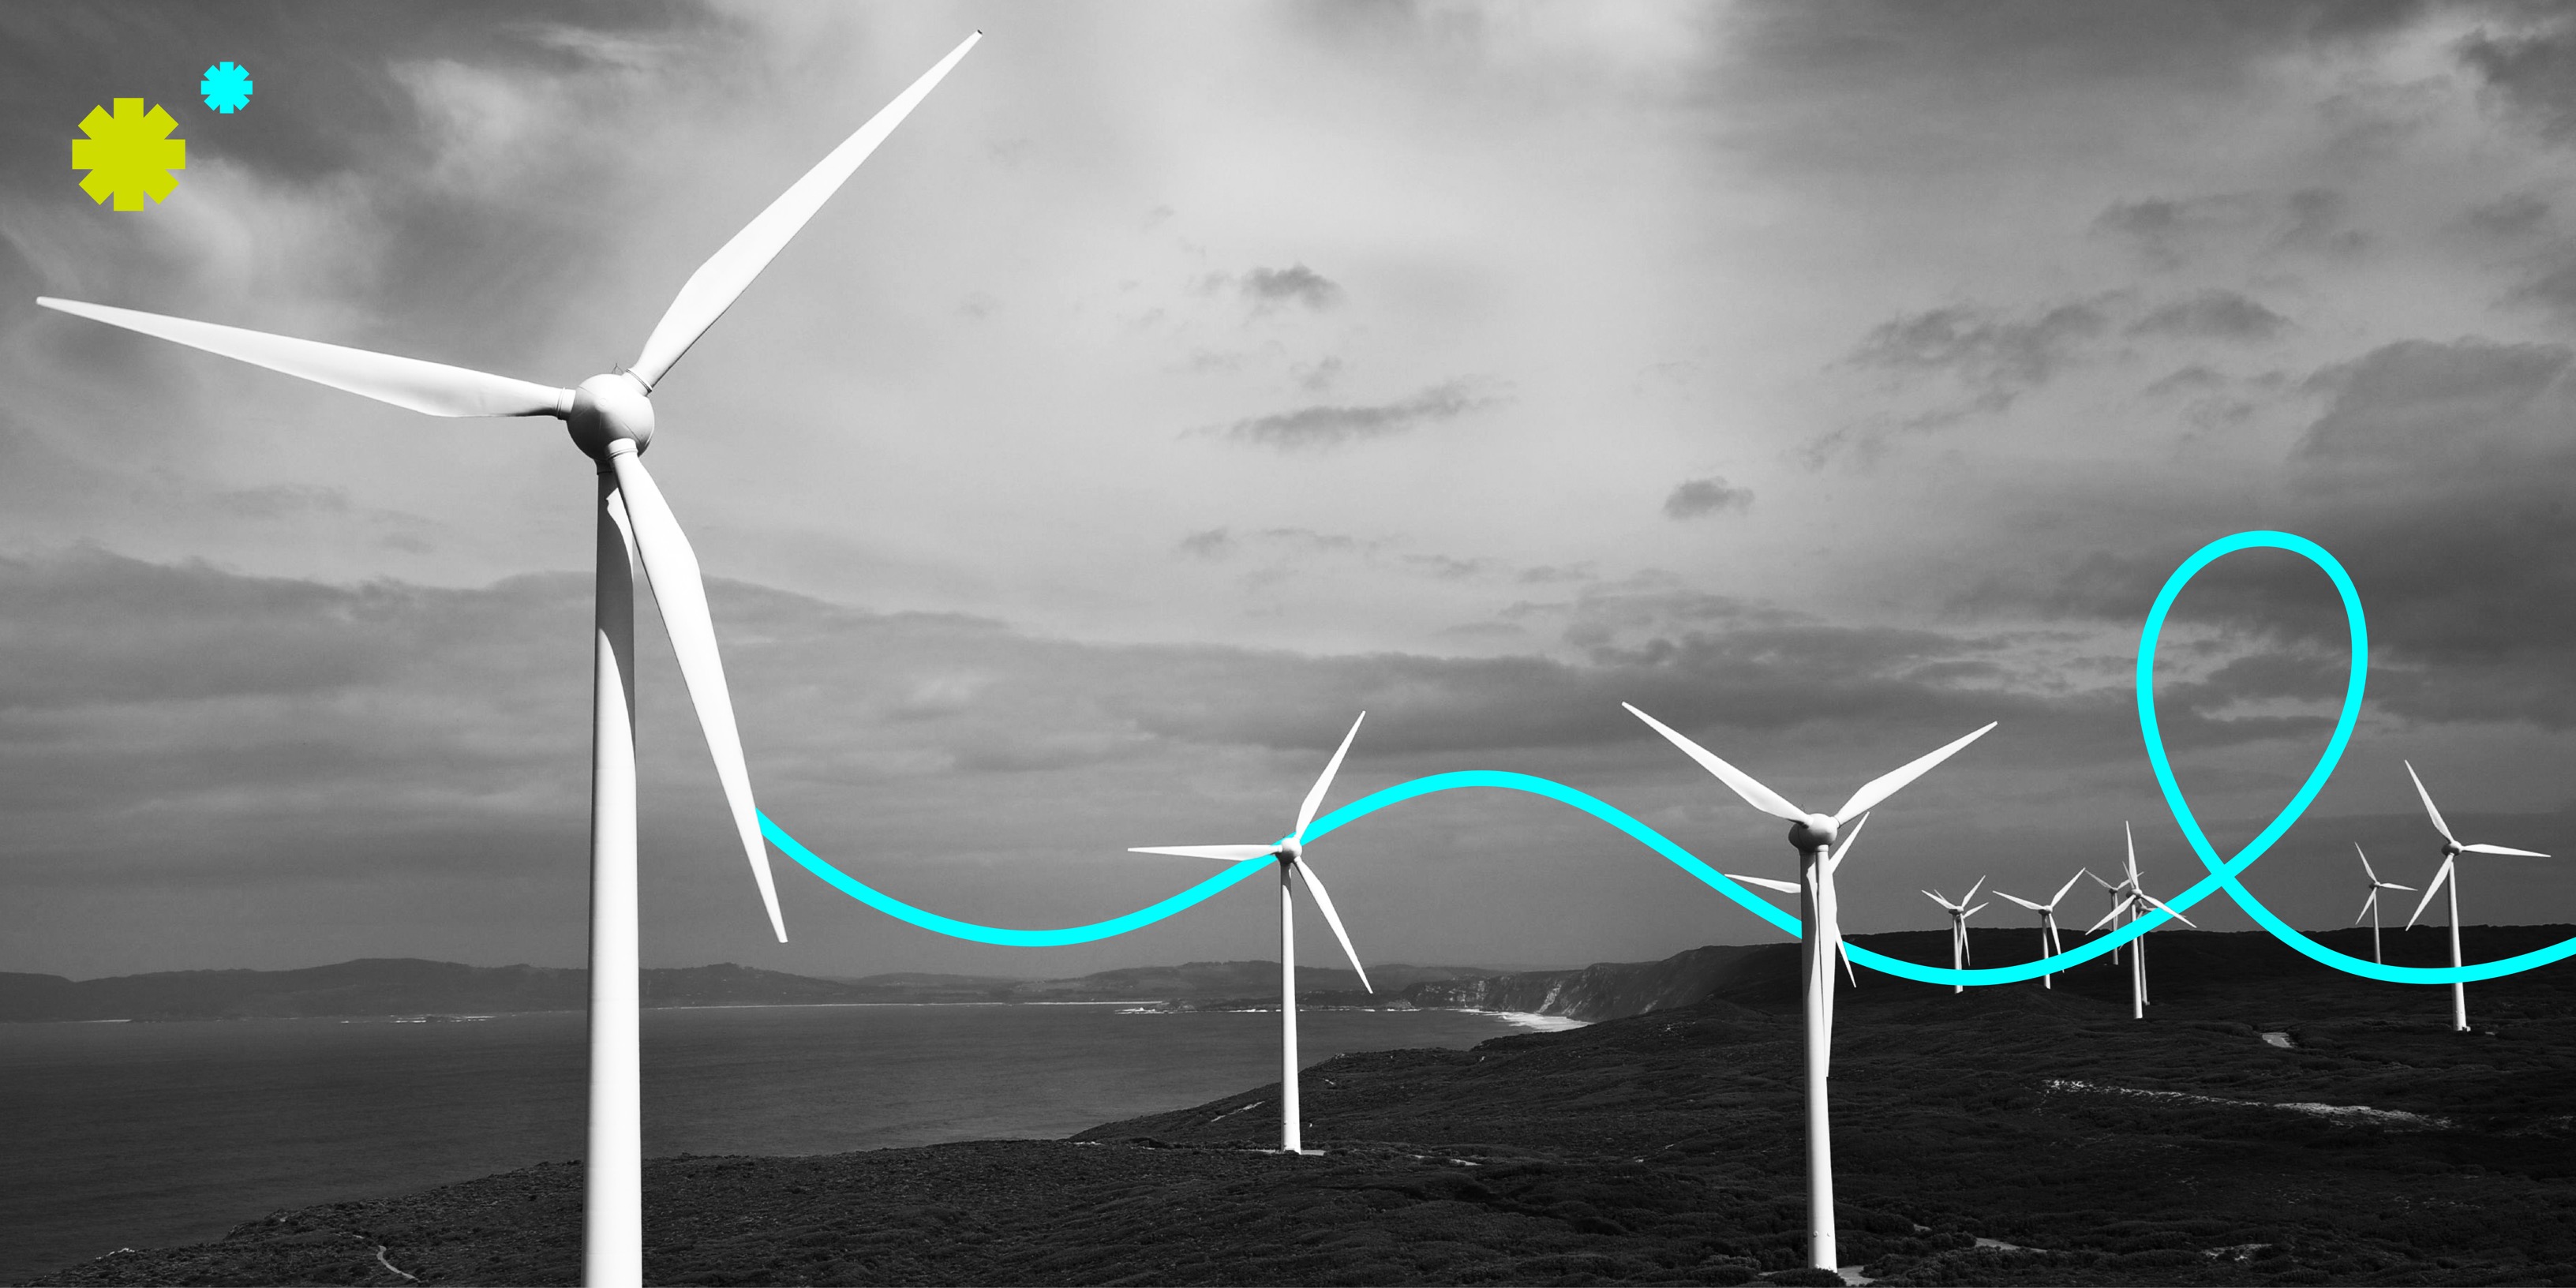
{"x": 227, "y": 87}
{"x": 2223, "y": 871}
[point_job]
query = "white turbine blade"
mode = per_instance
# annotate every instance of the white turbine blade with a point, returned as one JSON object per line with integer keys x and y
{"x": 2366, "y": 906}
{"x": 713, "y": 288}
{"x": 1963, "y": 917}
{"x": 2132, "y": 838}
{"x": 2160, "y": 907}
{"x": 2499, "y": 849}
{"x": 1754, "y": 794}
{"x": 1972, "y": 891}
{"x": 432, "y": 387}
{"x": 2111, "y": 916}
{"x": 1886, "y": 785}
{"x": 1834, "y": 861}
{"x": 2088, "y": 872}
{"x": 2034, "y": 907}
{"x": 2365, "y": 863}
{"x": 1784, "y": 887}
{"x": 1845, "y": 950}
{"x": 1946, "y": 905}
{"x": 1315, "y": 794}
{"x": 2438, "y": 824}
{"x": 2431, "y": 888}
{"x": 2391, "y": 885}
{"x": 682, "y": 594}
{"x": 1229, "y": 853}
{"x": 2060, "y": 896}
{"x": 1324, "y": 904}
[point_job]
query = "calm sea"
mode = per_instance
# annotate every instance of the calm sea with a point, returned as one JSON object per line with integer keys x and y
{"x": 152, "y": 1134}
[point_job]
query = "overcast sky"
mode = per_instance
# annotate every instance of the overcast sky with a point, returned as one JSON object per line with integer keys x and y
{"x": 1184, "y": 378}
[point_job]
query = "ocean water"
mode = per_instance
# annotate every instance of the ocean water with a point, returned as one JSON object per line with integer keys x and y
{"x": 150, "y": 1134}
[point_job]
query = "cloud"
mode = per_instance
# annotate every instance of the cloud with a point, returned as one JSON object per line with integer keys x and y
{"x": 2513, "y": 215}
{"x": 2438, "y": 474}
{"x": 1295, "y": 284}
{"x": 2168, "y": 232}
{"x": 1321, "y": 427}
{"x": 2533, "y": 75}
{"x": 2430, "y": 409}
{"x": 2215, "y": 315}
{"x": 1994, "y": 355}
{"x": 1698, "y": 497}
{"x": 2552, "y": 290}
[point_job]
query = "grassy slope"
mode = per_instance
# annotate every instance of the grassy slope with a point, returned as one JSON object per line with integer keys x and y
{"x": 1667, "y": 1148}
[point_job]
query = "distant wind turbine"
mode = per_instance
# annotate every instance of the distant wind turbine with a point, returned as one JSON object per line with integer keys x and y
{"x": 611, "y": 420}
{"x": 2451, "y": 851}
{"x": 1959, "y": 914}
{"x": 1290, "y": 852}
{"x": 2127, "y": 897}
{"x": 1814, "y": 835}
{"x": 2049, "y": 944}
{"x": 2370, "y": 906}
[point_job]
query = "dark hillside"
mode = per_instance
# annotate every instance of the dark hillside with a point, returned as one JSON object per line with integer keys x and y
{"x": 2002, "y": 1136}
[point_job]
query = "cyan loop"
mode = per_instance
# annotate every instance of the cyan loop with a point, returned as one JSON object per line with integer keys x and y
{"x": 2224, "y": 873}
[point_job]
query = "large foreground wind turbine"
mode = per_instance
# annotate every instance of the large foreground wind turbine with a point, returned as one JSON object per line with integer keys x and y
{"x": 2451, "y": 851}
{"x": 1959, "y": 914}
{"x": 1290, "y": 852}
{"x": 2049, "y": 944}
{"x": 611, "y": 420}
{"x": 2370, "y": 906}
{"x": 1813, "y": 835}
{"x": 2127, "y": 897}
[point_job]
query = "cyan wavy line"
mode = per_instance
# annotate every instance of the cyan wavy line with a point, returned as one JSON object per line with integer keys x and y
{"x": 2223, "y": 873}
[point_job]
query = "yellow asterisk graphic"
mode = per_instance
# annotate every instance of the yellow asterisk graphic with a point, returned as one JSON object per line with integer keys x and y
{"x": 129, "y": 155}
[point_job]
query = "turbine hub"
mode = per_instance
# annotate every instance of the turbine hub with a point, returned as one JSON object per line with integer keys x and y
{"x": 1290, "y": 850}
{"x": 2450, "y": 849}
{"x": 1815, "y": 832}
{"x": 606, "y": 408}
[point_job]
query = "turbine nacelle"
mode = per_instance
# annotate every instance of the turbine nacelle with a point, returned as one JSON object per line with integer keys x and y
{"x": 1290, "y": 850}
{"x": 1814, "y": 832}
{"x": 606, "y": 408}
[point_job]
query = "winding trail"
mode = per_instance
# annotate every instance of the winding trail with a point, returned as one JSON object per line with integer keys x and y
{"x": 2223, "y": 873}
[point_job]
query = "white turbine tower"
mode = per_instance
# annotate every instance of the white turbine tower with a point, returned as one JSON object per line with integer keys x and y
{"x": 1959, "y": 914}
{"x": 610, "y": 417}
{"x": 1290, "y": 852}
{"x": 2451, "y": 851}
{"x": 2049, "y": 944}
{"x": 2126, "y": 898}
{"x": 1814, "y": 835}
{"x": 2370, "y": 906}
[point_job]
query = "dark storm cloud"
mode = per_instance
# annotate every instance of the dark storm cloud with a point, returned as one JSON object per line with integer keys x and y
{"x": 1698, "y": 497}
{"x": 2168, "y": 232}
{"x": 347, "y": 118}
{"x": 1334, "y": 426}
{"x": 2438, "y": 474}
{"x": 1994, "y": 355}
{"x": 1295, "y": 284}
{"x": 2552, "y": 290}
{"x": 2516, "y": 215}
{"x": 2532, "y": 73}
{"x": 2215, "y": 315}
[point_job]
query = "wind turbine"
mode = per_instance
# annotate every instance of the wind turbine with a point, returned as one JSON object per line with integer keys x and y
{"x": 1833, "y": 929}
{"x": 2125, "y": 897}
{"x": 2049, "y": 944}
{"x": 1814, "y": 835}
{"x": 1290, "y": 852}
{"x": 1959, "y": 914}
{"x": 610, "y": 417}
{"x": 2370, "y": 906}
{"x": 2451, "y": 851}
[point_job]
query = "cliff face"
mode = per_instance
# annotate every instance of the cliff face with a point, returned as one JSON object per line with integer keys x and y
{"x": 1601, "y": 991}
